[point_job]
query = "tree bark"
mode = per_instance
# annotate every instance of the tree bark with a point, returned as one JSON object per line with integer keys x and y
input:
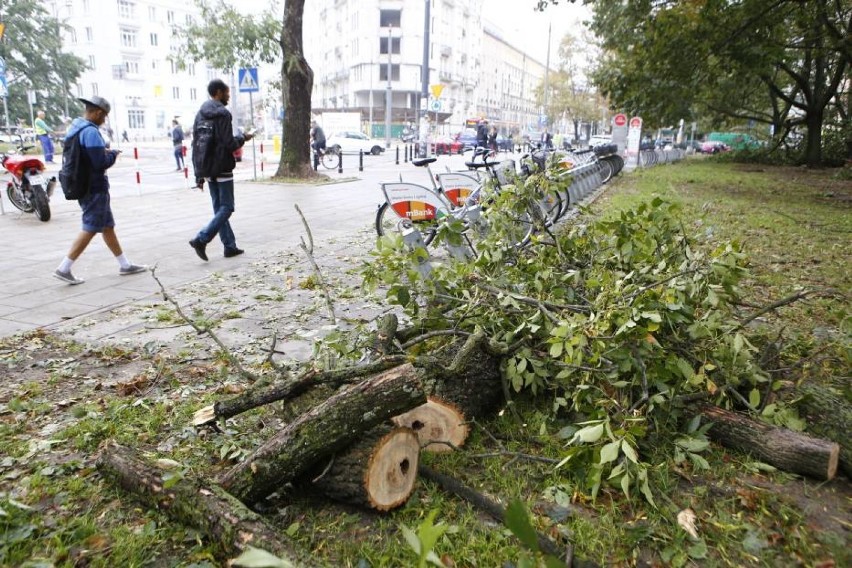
{"x": 378, "y": 472}
{"x": 226, "y": 523}
{"x": 782, "y": 448}
{"x": 324, "y": 430}
{"x": 297, "y": 79}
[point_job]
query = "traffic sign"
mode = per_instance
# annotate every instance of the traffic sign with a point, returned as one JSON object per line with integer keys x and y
{"x": 620, "y": 119}
{"x": 435, "y": 105}
{"x": 437, "y": 90}
{"x": 4, "y": 90}
{"x": 248, "y": 80}
{"x": 635, "y": 122}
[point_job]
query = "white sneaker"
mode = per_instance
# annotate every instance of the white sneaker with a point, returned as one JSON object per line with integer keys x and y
{"x": 67, "y": 277}
{"x": 132, "y": 269}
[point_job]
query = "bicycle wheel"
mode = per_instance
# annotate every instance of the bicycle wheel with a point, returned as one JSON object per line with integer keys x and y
{"x": 388, "y": 222}
{"x": 330, "y": 159}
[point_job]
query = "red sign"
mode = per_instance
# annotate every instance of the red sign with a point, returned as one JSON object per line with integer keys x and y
{"x": 619, "y": 119}
{"x": 635, "y": 122}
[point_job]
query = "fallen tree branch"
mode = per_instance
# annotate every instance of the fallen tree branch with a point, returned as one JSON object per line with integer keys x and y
{"x": 541, "y": 304}
{"x": 309, "y": 251}
{"x": 204, "y": 330}
{"x": 291, "y": 387}
{"x": 228, "y": 525}
{"x": 801, "y": 294}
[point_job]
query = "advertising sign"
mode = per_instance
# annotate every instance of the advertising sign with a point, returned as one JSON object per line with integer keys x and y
{"x": 458, "y": 186}
{"x": 634, "y": 138}
{"x": 414, "y": 202}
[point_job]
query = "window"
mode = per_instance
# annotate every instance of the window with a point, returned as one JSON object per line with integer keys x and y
{"x": 155, "y": 65}
{"x": 152, "y": 14}
{"x": 72, "y": 36}
{"x": 90, "y": 35}
{"x": 170, "y": 17}
{"x": 190, "y": 68}
{"x": 189, "y": 20}
{"x": 128, "y": 37}
{"x": 91, "y": 62}
{"x": 154, "y": 39}
{"x": 174, "y": 66}
{"x": 158, "y": 91}
{"x": 394, "y": 43}
{"x": 390, "y": 18}
{"x": 175, "y": 92}
{"x": 383, "y": 72}
{"x": 136, "y": 119}
{"x": 94, "y": 89}
{"x": 193, "y": 93}
{"x": 211, "y": 73}
{"x": 131, "y": 66}
{"x": 85, "y": 7}
{"x": 126, "y": 9}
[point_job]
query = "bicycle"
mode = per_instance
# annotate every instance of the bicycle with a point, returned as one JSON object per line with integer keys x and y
{"x": 328, "y": 157}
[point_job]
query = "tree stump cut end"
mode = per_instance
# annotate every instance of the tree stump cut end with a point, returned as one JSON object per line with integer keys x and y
{"x": 392, "y": 470}
{"x": 435, "y": 422}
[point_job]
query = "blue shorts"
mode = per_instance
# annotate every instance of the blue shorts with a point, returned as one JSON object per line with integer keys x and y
{"x": 97, "y": 214}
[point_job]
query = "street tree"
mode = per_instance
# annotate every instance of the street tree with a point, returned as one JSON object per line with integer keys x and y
{"x": 35, "y": 61}
{"x": 781, "y": 62}
{"x": 570, "y": 94}
{"x": 229, "y": 40}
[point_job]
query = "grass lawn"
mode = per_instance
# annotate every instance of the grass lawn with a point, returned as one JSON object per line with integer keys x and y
{"x": 795, "y": 224}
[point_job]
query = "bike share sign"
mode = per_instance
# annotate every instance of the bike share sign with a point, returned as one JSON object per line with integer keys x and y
{"x": 634, "y": 137}
{"x": 3, "y": 87}
{"x": 619, "y": 131}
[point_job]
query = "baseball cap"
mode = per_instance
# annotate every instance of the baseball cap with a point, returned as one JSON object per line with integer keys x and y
{"x": 97, "y": 101}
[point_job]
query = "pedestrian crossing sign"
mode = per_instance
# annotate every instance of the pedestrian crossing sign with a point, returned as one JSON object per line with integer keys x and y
{"x": 248, "y": 80}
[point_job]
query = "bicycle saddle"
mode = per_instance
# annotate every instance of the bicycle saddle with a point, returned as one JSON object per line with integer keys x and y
{"x": 423, "y": 161}
{"x": 476, "y": 165}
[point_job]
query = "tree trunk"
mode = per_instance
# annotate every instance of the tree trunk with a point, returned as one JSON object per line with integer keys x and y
{"x": 829, "y": 416}
{"x": 813, "y": 143}
{"x": 782, "y": 448}
{"x": 378, "y": 472}
{"x": 225, "y": 522}
{"x": 324, "y": 430}
{"x": 297, "y": 81}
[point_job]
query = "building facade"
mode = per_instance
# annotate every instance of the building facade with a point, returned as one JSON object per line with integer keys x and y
{"x": 366, "y": 51}
{"x": 127, "y": 45}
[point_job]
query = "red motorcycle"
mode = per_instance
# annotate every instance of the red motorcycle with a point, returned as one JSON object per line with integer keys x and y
{"x": 28, "y": 190}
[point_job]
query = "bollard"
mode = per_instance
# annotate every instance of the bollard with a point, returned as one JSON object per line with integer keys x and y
{"x": 186, "y": 176}
{"x": 406, "y": 153}
{"x": 397, "y": 155}
{"x": 360, "y": 160}
{"x": 340, "y": 163}
{"x": 262, "y": 159}
{"x": 138, "y": 174}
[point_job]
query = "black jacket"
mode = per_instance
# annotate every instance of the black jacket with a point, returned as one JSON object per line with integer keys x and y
{"x": 482, "y": 135}
{"x": 224, "y": 142}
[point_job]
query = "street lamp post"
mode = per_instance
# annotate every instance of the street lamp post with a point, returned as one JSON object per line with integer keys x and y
{"x": 388, "y": 94}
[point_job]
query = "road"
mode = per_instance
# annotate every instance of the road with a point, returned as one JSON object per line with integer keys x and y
{"x": 156, "y": 218}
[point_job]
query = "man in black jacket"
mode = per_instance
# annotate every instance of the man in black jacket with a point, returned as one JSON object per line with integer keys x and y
{"x": 482, "y": 134}
{"x": 213, "y": 145}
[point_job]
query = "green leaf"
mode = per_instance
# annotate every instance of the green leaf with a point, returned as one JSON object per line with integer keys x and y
{"x": 589, "y": 434}
{"x": 739, "y": 341}
{"x": 518, "y": 521}
{"x": 754, "y": 398}
{"x": 556, "y": 349}
{"x": 259, "y": 558}
{"x": 642, "y": 476}
{"x": 698, "y": 550}
{"x": 411, "y": 539}
{"x": 609, "y": 452}
{"x": 629, "y": 451}
{"x": 625, "y": 484}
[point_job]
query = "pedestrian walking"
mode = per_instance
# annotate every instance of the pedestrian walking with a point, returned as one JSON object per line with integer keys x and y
{"x": 177, "y": 141}
{"x": 43, "y": 132}
{"x": 97, "y": 213}
{"x": 482, "y": 134}
{"x": 213, "y": 145}
{"x": 124, "y": 137}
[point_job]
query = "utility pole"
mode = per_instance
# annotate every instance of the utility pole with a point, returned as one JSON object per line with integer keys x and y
{"x": 388, "y": 94}
{"x": 546, "y": 73}
{"x": 424, "y": 80}
{"x": 371, "y": 96}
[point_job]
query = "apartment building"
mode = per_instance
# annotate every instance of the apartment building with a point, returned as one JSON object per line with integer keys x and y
{"x": 127, "y": 44}
{"x": 353, "y": 44}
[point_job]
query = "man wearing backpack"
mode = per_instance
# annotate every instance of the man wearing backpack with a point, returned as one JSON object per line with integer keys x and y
{"x": 213, "y": 145}
{"x": 97, "y": 213}
{"x": 177, "y": 142}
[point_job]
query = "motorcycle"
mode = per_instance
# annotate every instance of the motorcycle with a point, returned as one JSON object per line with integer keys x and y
{"x": 28, "y": 190}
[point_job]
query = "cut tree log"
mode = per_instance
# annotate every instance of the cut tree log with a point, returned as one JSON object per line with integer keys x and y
{"x": 227, "y": 524}
{"x": 378, "y": 472}
{"x": 785, "y": 449}
{"x": 323, "y": 431}
{"x": 436, "y": 422}
{"x": 829, "y": 416}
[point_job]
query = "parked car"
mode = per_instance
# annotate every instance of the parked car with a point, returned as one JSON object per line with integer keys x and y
{"x": 467, "y": 138}
{"x": 446, "y": 145}
{"x": 714, "y": 147}
{"x": 351, "y": 142}
{"x": 599, "y": 140}
{"x": 505, "y": 144}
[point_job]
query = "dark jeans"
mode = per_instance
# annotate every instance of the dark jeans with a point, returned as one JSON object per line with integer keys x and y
{"x": 179, "y": 157}
{"x": 222, "y": 195}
